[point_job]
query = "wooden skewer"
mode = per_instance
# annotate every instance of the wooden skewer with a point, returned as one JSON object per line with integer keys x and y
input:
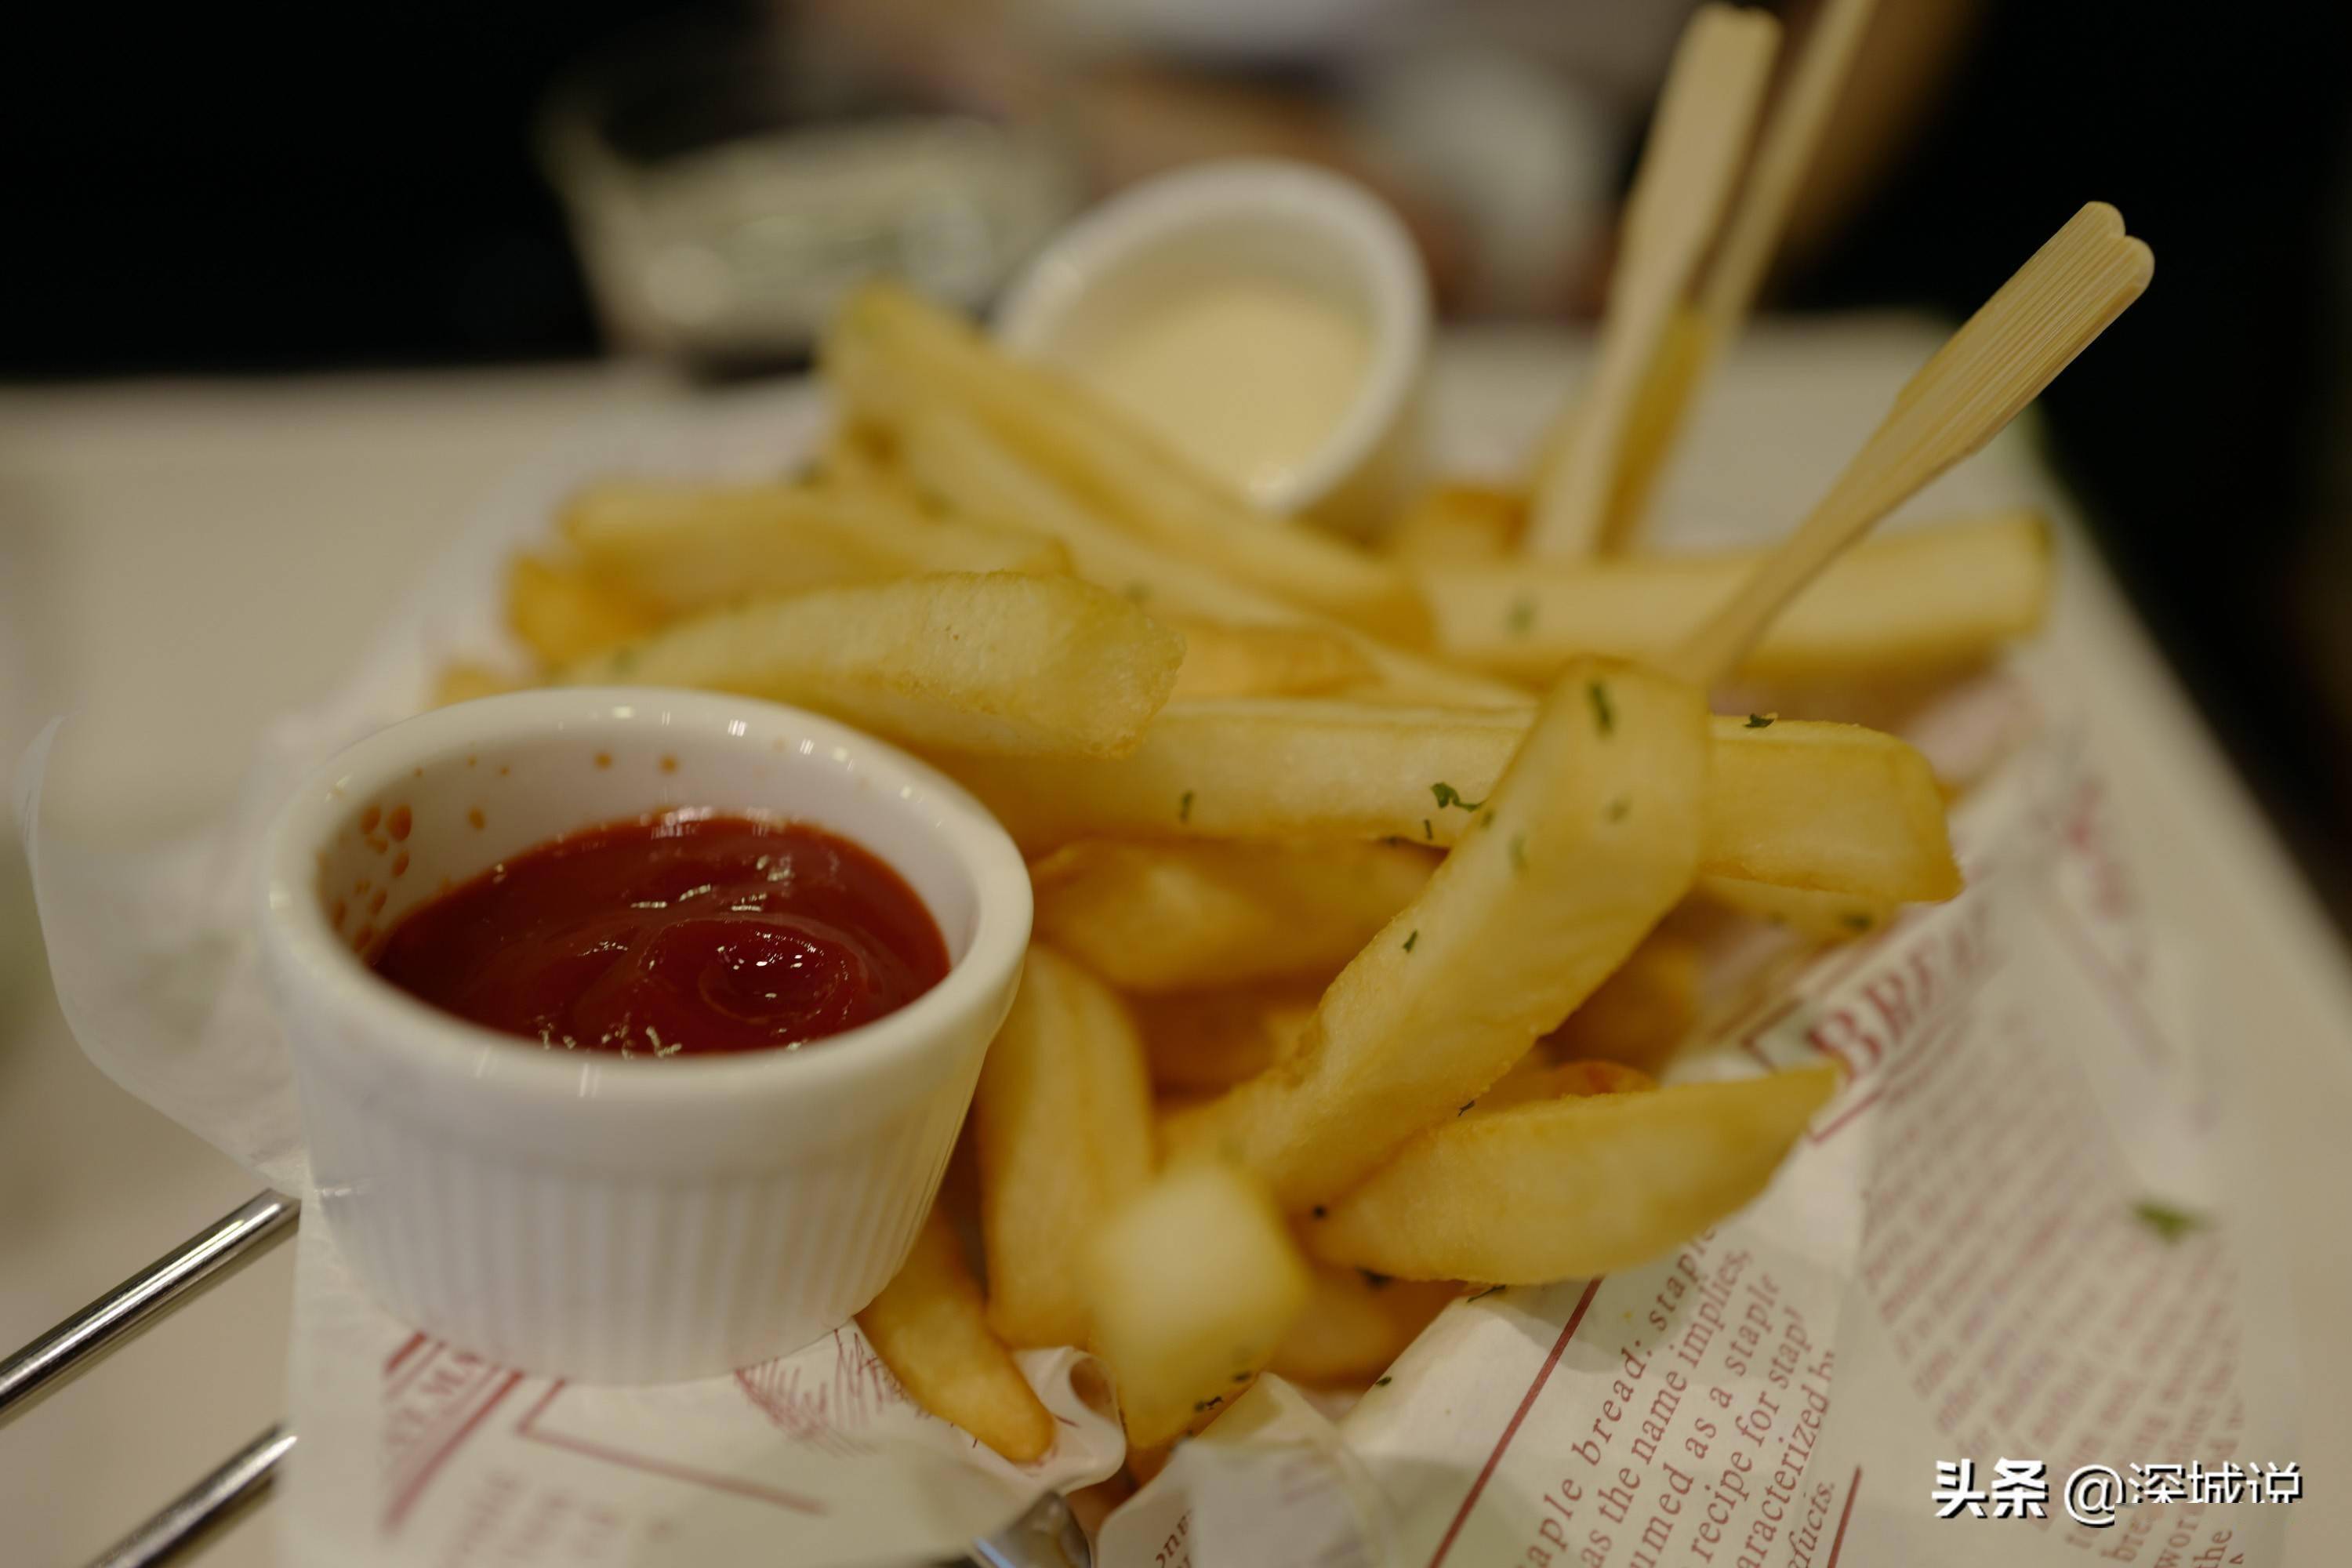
{"x": 1998, "y": 361}
{"x": 1695, "y": 150}
{"x": 1727, "y": 291}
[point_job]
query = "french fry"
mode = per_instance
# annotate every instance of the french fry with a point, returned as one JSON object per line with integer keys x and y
{"x": 1191, "y": 1288}
{"x": 562, "y": 615}
{"x": 1457, "y": 524}
{"x": 928, "y": 1327}
{"x": 1119, "y": 468}
{"x": 1830, "y": 807}
{"x": 1185, "y": 916}
{"x": 1643, "y": 1011}
{"x": 1568, "y": 1188}
{"x": 1222, "y": 659}
{"x": 953, "y": 457}
{"x": 999, "y": 663}
{"x": 1356, "y": 1324}
{"x": 1927, "y": 601}
{"x": 1815, "y": 916}
{"x": 1208, "y": 1041}
{"x": 1589, "y": 839}
{"x": 1063, "y": 1122}
{"x": 681, "y": 548}
{"x": 465, "y": 682}
{"x": 1535, "y": 1077}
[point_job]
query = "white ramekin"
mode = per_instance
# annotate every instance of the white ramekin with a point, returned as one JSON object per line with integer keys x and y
{"x": 621, "y": 1220}
{"x": 1252, "y": 217}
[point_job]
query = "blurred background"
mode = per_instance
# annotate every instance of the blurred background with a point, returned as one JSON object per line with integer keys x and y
{"x": 285, "y": 296}
{"x": 208, "y": 192}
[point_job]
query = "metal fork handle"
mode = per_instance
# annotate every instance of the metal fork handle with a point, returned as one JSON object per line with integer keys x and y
{"x": 208, "y": 1504}
{"x": 74, "y": 1344}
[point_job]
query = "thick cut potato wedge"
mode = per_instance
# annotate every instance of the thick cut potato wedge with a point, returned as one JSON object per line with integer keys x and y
{"x": 954, "y": 458}
{"x": 1117, "y": 468}
{"x": 562, "y": 615}
{"x": 1356, "y": 1324}
{"x": 1830, "y": 807}
{"x": 929, "y": 1328}
{"x": 1911, "y": 604}
{"x": 1815, "y": 916}
{"x": 998, "y": 663}
{"x": 1641, "y": 1012}
{"x": 1207, "y": 1041}
{"x": 1063, "y": 1121}
{"x": 1566, "y": 1188}
{"x": 1453, "y": 525}
{"x": 1180, "y": 916}
{"x": 1590, "y": 837}
{"x": 681, "y": 548}
{"x": 1222, "y": 659}
{"x": 1192, "y": 1287}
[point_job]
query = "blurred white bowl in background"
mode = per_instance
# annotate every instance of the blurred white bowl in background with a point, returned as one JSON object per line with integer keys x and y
{"x": 1269, "y": 318}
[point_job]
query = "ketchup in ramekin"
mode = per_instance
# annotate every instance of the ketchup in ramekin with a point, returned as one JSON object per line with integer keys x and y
{"x": 682, "y": 933}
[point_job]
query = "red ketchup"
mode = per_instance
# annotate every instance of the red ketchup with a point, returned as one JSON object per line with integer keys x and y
{"x": 683, "y": 934}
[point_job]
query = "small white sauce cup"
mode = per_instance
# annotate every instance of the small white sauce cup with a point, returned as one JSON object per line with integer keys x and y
{"x": 1264, "y": 218}
{"x": 621, "y": 1220}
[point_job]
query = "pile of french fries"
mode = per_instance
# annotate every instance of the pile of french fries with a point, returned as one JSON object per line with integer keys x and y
{"x": 1350, "y": 989}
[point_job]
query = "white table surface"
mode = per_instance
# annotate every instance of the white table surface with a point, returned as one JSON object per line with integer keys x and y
{"x": 179, "y": 561}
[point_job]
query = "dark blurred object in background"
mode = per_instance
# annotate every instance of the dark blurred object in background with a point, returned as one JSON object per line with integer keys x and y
{"x": 226, "y": 192}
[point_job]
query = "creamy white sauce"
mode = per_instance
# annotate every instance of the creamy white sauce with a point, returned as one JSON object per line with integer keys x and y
{"x": 1247, "y": 377}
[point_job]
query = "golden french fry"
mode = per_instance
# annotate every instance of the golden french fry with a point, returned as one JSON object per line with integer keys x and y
{"x": 953, "y": 457}
{"x": 1222, "y": 659}
{"x": 1063, "y": 1121}
{"x": 1535, "y": 1077}
{"x": 1117, "y": 467}
{"x": 1588, "y": 839}
{"x": 1208, "y": 1041}
{"x": 1924, "y": 601}
{"x": 465, "y": 682}
{"x": 1191, "y": 1287}
{"x": 1813, "y": 915}
{"x": 1458, "y": 525}
{"x": 1356, "y": 1324}
{"x": 1184, "y": 916}
{"x": 1830, "y": 806}
{"x": 682, "y": 548}
{"x": 855, "y": 459}
{"x": 928, "y": 1327}
{"x": 996, "y": 663}
{"x": 562, "y": 615}
{"x": 1566, "y": 1188}
{"x": 1641, "y": 1013}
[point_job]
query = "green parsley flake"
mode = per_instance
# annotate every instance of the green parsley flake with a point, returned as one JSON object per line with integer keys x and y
{"x": 1603, "y": 715}
{"x": 1448, "y": 795}
{"x": 1761, "y": 720}
{"x": 2167, "y": 1221}
{"x": 1410, "y": 940}
{"x": 1184, "y": 806}
{"x": 1522, "y": 618}
{"x": 1428, "y": 832}
{"x": 1382, "y": 1381}
{"x": 1857, "y": 919}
